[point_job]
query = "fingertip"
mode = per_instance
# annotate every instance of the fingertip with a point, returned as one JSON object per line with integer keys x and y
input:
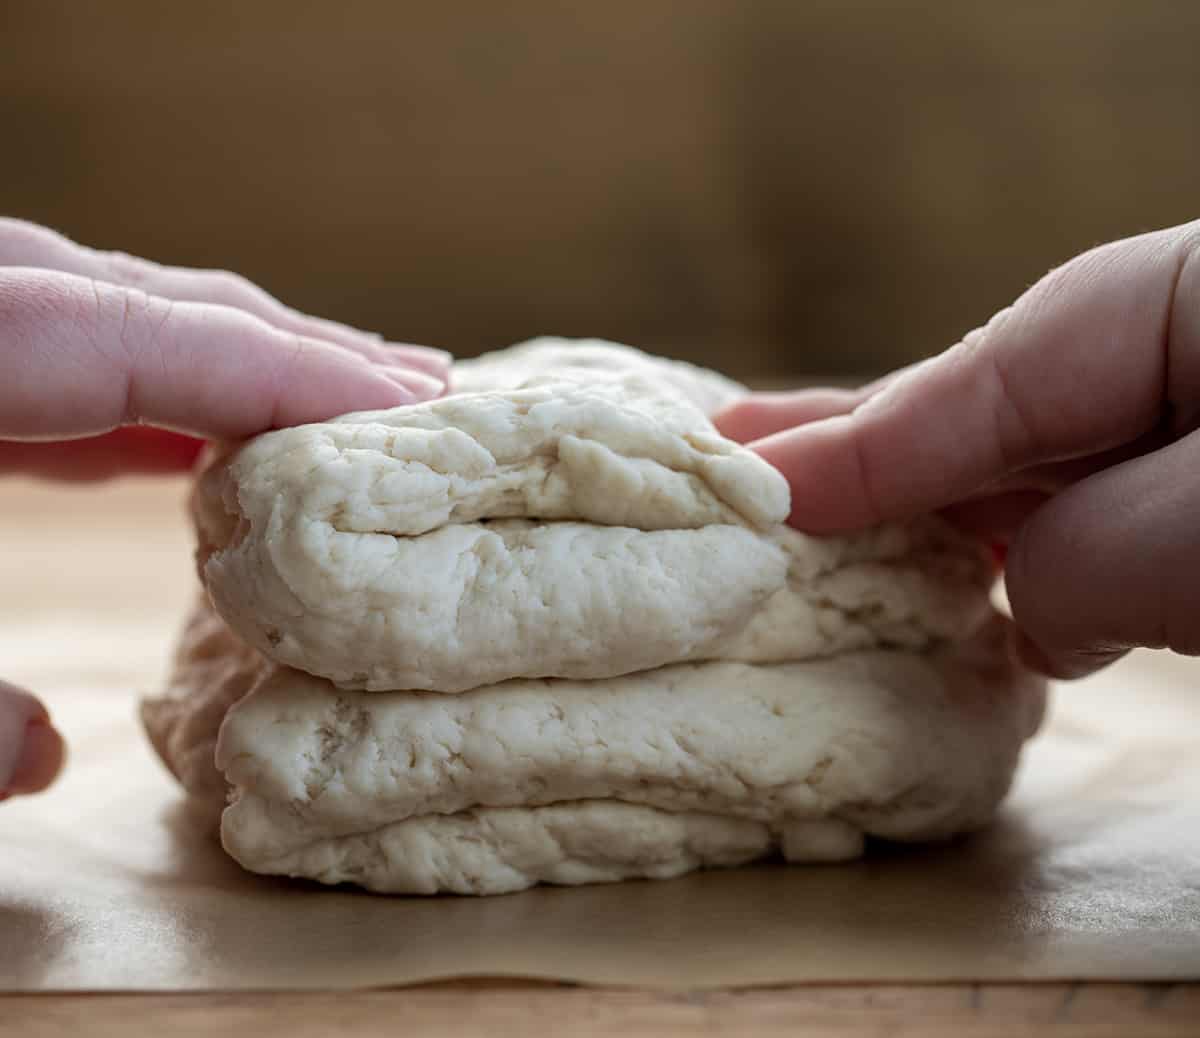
{"x": 29, "y": 707}
{"x": 380, "y": 388}
{"x": 41, "y": 759}
{"x": 829, "y": 489}
{"x": 733, "y": 421}
{"x": 788, "y": 441}
{"x": 330, "y": 381}
{"x": 758, "y": 415}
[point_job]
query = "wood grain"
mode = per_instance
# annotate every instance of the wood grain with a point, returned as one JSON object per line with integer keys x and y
{"x": 502, "y": 1010}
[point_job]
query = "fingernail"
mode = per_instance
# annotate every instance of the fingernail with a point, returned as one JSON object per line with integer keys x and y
{"x": 41, "y": 759}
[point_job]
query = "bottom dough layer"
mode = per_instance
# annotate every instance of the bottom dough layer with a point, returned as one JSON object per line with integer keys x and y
{"x": 500, "y": 850}
{"x": 649, "y": 775}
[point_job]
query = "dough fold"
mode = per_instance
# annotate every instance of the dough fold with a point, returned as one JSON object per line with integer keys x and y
{"x": 583, "y": 521}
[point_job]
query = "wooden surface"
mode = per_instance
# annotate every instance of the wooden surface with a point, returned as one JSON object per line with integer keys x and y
{"x": 502, "y": 1009}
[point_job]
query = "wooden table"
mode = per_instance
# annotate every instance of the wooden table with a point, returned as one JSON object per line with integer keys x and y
{"x": 503, "y": 1008}
{"x": 497, "y": 1008}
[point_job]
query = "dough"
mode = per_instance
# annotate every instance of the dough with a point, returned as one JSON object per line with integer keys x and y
{"x": 553, "y": 629}
{"x": 210, "y": 671}
{"x": 573, "y": 781}
{"x": 583, "y": 521}
{"x": 548, "y": 361}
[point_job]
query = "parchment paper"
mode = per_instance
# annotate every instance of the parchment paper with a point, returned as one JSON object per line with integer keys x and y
{"x": 1092, "y": 872}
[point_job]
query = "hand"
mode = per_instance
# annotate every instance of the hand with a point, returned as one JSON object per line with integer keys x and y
{"x": 1066, "y": 427}
{"x": 93, "y": 341}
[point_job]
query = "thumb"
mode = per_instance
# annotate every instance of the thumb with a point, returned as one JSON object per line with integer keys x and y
{"x": 31, "y": 750}
{"x": 1110, "y": 564}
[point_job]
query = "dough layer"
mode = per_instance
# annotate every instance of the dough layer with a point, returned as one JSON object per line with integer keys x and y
{"x": 583, "y": 521}
{"x": 579, "y": 781}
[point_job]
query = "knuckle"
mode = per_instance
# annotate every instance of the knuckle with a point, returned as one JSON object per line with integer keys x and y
{"x": 864, "y": 478}
{"x": 132, "y": 271}
{"x": 978, "y": 339}
{"x": 87, "y": 305}
{"x": 120, "y": 315}
{"x": 982, "y": 357}
{"x": 130, "y": 305}
{"x": 1185, "y": 287}
{"x": 1189, "y": 237}
{"x": 1016, "y": 425}
{"x": 227, "y": 288}
{"x": 295, "y": 348}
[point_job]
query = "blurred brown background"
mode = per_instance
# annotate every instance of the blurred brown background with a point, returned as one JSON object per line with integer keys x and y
{"x": 771, "y": 187}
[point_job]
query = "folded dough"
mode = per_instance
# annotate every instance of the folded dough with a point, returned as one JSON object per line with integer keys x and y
{"x": 584, "y": 521}
{"x": 651, "y": 673}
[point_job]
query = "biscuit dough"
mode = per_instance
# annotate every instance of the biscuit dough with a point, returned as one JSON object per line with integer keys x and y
{"x": 552, "y": 628}
{"x": 210, "y": 671}
{"x": 583, "y": 521}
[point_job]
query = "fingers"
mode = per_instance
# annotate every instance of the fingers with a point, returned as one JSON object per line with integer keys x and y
{"x": 28, "y": 245}
{"x": 1093, "y": 357}
{"x": 31, "y": 750}
{"x": 761, "y": 414}
{"x": 1002, "y": 506}
{"x": 757, "y": 415}
{"x": 82, "y": 357}
{"x": 1110, "y": 563}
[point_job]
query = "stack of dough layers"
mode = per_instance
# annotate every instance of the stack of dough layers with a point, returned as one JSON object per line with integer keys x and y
{"x": 552, "y": 629}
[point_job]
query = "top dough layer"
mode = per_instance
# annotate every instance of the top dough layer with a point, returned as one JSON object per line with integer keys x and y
{"x": 581, "y": 519}
{"x": 547, "y": 360}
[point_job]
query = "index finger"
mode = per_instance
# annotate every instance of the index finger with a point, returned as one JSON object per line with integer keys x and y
{"x": 1092, "y": 357}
